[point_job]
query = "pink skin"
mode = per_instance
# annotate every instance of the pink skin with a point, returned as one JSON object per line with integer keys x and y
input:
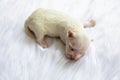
{"x": 73, "y": 55}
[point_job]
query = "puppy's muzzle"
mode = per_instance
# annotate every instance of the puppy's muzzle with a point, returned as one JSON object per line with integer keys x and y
{"x": 74, "y": 56}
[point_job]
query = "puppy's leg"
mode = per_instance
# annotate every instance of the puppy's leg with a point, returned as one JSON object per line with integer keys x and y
{"x": 89, "y": 24}
{"x": 39, "y": 34}
{"x": 41, "y": 41}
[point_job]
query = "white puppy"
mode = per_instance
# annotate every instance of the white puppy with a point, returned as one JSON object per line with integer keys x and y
{"x": 52, "y": 23}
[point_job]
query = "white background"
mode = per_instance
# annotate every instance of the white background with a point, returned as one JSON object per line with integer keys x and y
{"x": 21, "y": 58}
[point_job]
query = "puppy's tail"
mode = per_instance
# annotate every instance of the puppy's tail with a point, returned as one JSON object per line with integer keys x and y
{"x": 89, "y": 24}
{"x": 28, "y": 31}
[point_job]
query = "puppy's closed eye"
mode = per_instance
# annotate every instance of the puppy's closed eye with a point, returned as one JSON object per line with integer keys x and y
{"x": 72, "y": 49}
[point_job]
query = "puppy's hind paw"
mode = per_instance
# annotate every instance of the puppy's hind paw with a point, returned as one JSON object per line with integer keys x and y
{"x": 44, "y": 45}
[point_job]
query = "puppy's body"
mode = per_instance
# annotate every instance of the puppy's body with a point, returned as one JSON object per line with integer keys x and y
{"x": 52, "y": 23}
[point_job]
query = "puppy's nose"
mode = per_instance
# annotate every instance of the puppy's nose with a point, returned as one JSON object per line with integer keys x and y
{"x": 74, "y": 56}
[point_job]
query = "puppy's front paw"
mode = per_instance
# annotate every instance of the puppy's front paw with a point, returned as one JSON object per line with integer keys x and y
{"x": 92, "y": 22}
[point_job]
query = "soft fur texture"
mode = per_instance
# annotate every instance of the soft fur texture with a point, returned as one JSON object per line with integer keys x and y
{"x": 21, "y": 58}
{"x": 45, "y": 22}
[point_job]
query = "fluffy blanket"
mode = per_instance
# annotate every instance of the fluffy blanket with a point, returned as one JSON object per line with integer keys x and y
{"x": 21, "y": 58}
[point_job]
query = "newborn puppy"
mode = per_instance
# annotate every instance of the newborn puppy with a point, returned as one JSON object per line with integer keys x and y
{"x": 52, "y": 23}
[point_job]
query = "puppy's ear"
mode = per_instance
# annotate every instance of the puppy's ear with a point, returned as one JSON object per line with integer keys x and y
{"x": 70, "y": 34}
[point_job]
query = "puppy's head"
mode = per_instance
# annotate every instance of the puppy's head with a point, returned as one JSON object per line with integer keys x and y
{"x": 76, "y": 44}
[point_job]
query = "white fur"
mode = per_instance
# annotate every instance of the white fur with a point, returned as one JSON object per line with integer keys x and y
{"x": 55, "y": 24}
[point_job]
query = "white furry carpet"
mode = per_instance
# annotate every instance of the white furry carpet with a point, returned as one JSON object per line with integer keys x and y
{"x": 21, "y": 58}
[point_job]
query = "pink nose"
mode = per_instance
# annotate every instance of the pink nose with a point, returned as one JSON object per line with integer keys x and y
{"x": 74, "y": 56}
